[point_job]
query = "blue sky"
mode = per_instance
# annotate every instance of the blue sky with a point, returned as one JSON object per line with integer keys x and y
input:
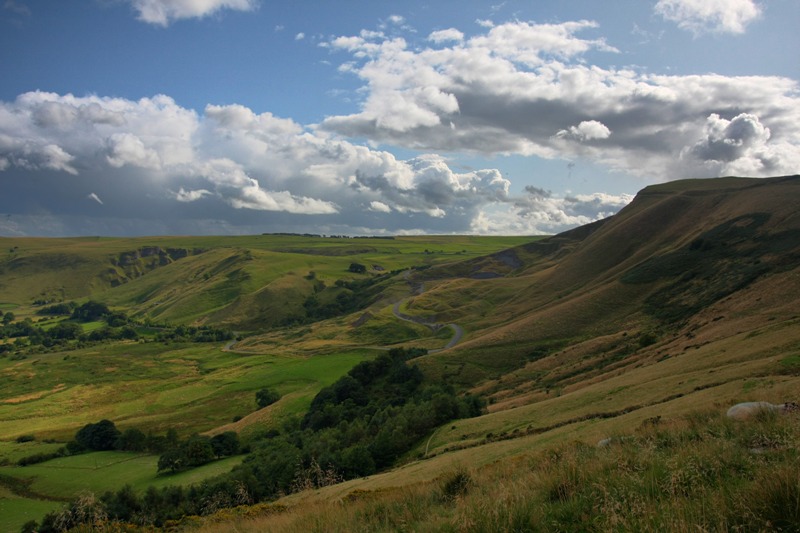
{"x": 136, "y": 117}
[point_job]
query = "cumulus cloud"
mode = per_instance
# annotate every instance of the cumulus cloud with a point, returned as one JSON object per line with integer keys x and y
{"x": 587, "y": 130}
{"x": 379, "y": 207}
{"x": 164, "y": 12}
{"x": 526, "y": 88}
{"x": 739, "y": 146}
{"x": 542, "y": 212}
{"x": 710, "y": 16}
{"x": 450, "y": 34}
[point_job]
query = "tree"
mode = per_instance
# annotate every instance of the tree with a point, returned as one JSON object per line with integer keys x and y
{"x": 198, "y": 450}
{"x": 225, "y": 444}
{"x": 8, "y": 318}
{"x": 132, "y": 440}
{"x": 266, "y": 397}
{"x": 100, "y": 436}
{"x": 171, "y": 460}
{"x": 90, "y": 311}
{"x": 357, "y": 268}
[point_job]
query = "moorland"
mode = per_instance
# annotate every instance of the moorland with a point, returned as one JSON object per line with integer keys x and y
{"x": 440, "y": 383}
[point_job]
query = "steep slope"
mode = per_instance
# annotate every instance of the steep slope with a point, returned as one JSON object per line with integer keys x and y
{"x": 637, "y": 278}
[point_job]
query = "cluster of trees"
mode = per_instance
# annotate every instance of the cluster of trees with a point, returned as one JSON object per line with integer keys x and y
{"x": 69, "y": 333}
{"x": 104, "y": 435}
{"x": 362, "y": 423}
{"x": 350, "y": 296}
{"x": 176, "y": 454}
{"x": 194, "y": 334}
{"x": 63, "y": 334}
{"x": 198, "y": 450}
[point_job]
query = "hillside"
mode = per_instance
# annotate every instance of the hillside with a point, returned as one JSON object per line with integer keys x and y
{"x": 247, "y": 283}
{"x": 654, "y": 272}
{"x": 687, "y": 301}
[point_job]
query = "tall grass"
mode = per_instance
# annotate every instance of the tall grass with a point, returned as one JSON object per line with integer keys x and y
{"x": 701, "y": 473}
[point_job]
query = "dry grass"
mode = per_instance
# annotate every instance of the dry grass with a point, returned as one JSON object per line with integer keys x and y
{"x": 700, "y": 472}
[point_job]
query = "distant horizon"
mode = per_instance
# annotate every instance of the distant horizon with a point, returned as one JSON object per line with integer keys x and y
{"x": 361, "y": 236}
{"x": 220, "y": 117}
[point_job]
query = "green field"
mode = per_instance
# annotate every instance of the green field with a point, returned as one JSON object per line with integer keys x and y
{"x": 98, "y": 472}
{"x": 152, "y": 386}
{"x": 193, "y": 388}
{"x": 15, "y": 510}
{"x": 59, "y": 480}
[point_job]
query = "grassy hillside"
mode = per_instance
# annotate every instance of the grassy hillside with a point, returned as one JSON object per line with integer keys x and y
{"x": 248, "y": 283}
{"x": 643, "y": 328}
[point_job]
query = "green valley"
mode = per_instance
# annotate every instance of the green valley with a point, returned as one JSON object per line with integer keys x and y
{"x": 414, "y": 377}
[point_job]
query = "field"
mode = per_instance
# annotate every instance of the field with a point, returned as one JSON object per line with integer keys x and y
{"x": 48, "y": 485}
{"x": 192, "y": 387}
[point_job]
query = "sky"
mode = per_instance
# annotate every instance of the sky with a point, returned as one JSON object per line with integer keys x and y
{"x": 178, "y": 117}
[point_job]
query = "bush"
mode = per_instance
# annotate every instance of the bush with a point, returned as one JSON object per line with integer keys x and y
{"x": 266, "y": 397}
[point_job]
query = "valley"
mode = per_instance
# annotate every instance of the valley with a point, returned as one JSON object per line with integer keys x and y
{"x": 633, "y": 328}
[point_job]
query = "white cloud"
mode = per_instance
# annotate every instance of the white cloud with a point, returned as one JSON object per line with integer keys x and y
{"x": 710, "y": 16}
{"x": 128, "y": 149}
{"x": 163, "y": 12}
{"x": 540, "y": 212}
{"x": 586, "y": 131}
{"x": 450, "y": 34}
{"x": 740, "y": 146}
{"x": 524, "y": 88}
{"x": 300, "y": 36}
{"x": 379, "y": 207}
{"x": 191, "y": 196}
{"x": 92, "y": 196}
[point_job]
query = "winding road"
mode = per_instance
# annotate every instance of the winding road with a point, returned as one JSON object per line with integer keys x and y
{"x": 458, "y": 331}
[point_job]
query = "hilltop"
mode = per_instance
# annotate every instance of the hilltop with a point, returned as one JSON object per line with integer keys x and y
{"x": 687, "y": 301}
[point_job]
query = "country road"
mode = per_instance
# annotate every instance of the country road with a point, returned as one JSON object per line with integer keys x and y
{"x": 458, "y": 331}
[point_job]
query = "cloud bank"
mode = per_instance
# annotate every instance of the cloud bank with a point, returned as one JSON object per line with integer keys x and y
{"x": 153, "y": 166}
{"x": 152, "y": 158}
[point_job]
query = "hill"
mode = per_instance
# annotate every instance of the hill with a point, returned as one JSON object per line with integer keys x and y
{"x": 642, "y": 328}
{"x": 247, "y": 283}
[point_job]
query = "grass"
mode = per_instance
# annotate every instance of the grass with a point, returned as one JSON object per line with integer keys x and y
{"x": 698, "y": 472}
{"x": 151, "y": 386}
{"x": 215, "y": 271}
{"x": 15, "y": 510}
{"x": 65, "y": 478}
{"x": 98, "y": 472}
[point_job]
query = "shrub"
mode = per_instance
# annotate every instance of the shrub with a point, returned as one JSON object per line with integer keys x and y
{"x": 456, "y": 484}
{"x": 266, "y": 397}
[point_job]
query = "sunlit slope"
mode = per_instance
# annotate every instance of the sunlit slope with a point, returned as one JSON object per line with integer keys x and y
{"x": 676, "y": 250}
{"x": 247, "y": 283}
